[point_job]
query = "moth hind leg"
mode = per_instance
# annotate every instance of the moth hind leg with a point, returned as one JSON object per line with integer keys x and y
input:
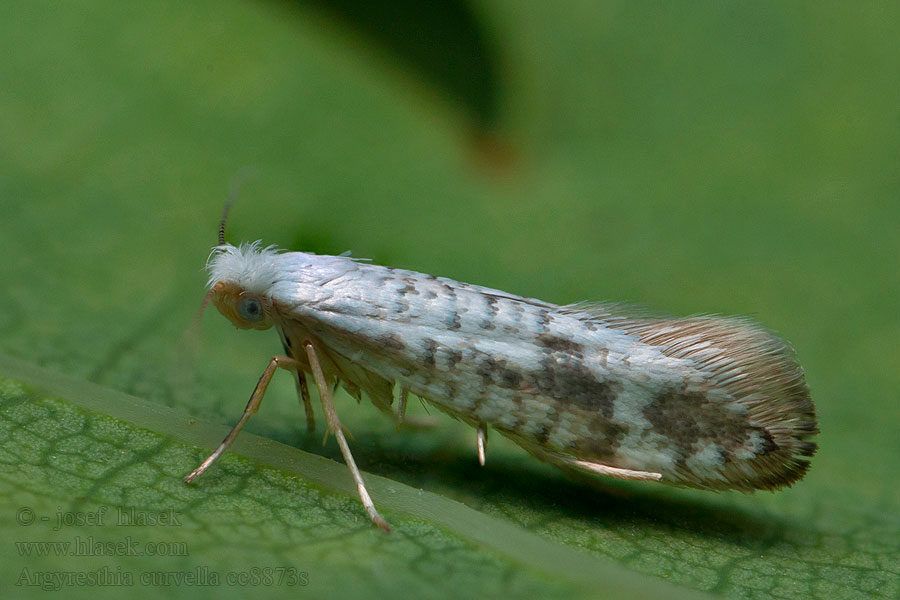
{"x": 615, "y": 472}
{"x": 574, "y": 466}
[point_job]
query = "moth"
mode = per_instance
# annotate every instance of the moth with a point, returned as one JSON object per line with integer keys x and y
{"x": 703, "y": 401}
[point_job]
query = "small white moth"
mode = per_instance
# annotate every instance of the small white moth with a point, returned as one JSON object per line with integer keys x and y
{"x": 703, "y": 401}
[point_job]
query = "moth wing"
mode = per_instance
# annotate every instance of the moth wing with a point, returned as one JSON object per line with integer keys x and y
{"x": 356, "y": 378}
{"x": 753, "y": 367}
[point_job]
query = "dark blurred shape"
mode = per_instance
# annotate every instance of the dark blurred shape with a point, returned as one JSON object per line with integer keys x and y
{"x": 442, "y": 41}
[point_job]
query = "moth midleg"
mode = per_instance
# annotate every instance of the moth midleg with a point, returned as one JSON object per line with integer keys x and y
{"x": 302, "y": 390}
{"x": 285, "y": 362}
{"x": 303, "y": 394}
{"x": 334, "y": 424}
{"x": 401, "y": 407}
{"x": 481, "y": 442}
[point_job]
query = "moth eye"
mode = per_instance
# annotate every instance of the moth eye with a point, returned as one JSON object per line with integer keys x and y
{"x": 250, "y": 309}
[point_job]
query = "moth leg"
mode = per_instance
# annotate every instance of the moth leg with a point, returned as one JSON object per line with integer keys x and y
{"x": 577, "y": 467}
{"x": 285, "y": 362}
{"x": 302, "y": 388}
{"x": 481, "y": 442}
{"x": 401, "y": 407}
{"x": 615, "y": 472}
{"x": 303, "y": 395}
{"x": 584, "y": 466}
{"x": 334, "y": 424}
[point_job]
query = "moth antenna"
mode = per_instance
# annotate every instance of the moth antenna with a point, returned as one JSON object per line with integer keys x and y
{"x": 192, "y": 332}
{"x": 187, "y": 349}
{"x": 234, "y": 188}
{"x": 227, "y": 208}
{"x": 203, "y": 306}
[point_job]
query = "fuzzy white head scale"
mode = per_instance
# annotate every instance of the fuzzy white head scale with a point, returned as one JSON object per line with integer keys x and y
{"x": 251, "y": 266}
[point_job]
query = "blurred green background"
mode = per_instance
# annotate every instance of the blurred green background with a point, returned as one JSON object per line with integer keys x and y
{"x": 704, "y": 157}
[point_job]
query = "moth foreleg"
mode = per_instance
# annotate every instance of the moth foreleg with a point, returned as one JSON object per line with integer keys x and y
{"x": 334, "y": 424}
{"x": 285, "y": 362}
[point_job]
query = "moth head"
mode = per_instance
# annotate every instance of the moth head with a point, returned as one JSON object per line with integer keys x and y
{"x": 240, "y": 279}
{"x": 244, "y": 309}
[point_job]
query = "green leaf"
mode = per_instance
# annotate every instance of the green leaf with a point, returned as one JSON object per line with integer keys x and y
{"x": 90, "y": 477}
{"x": 711, "y": 158}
